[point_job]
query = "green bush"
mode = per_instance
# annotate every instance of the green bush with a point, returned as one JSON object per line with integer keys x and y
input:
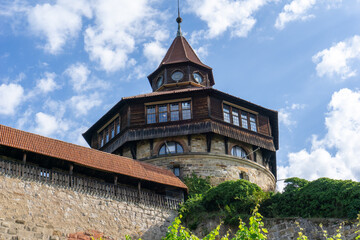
{"x": 229, "y": 201}
{"x": 324, "y": 197}
{"x": 197, "y": 185}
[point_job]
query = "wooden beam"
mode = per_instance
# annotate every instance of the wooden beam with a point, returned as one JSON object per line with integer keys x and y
{"x": 71, "y": 169}
{"x": 133, "y": 146}
{"x": 24, "y": 157}
{"x": 139, "y": 190}
{"x": 226, "y": 143}
{"x": 208, "y": 141}
{"x": 115, "y": 180}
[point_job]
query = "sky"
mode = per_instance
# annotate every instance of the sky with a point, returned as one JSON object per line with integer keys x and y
{"x": 65, "y": 63}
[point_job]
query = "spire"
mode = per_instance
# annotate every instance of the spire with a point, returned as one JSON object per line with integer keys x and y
{"x": 179, "y": 20}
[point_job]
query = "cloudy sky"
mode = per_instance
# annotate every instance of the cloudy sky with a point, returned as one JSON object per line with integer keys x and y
{"x": 64, "y": 63}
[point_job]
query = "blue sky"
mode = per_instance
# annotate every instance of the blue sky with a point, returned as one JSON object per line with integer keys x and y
{"x": 64, "y": 63}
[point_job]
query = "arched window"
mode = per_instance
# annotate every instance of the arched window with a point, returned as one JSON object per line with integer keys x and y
{"x": 238, "y": 152}
{"x": 170, "y": 147}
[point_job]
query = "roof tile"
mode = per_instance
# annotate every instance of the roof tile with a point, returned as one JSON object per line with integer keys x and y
{"x": 86, "y": 156}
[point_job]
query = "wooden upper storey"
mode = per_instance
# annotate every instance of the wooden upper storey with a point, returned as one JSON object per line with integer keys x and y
{"x": 183, "y": 112}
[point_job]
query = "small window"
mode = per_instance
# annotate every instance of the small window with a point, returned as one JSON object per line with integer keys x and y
{"x": 101, "y": 141}
{"x": 244, "y": 122}
{"x": 112, "y": 133}
{"x": 186, "y": 110}
{"x": 238, "y": 152}
{"x": 163, "y": 113}
{"x": 107, "y": 137}
{"x": 170, "y": 147}
{"x": 174, "y": 112}
{"x": 253, "y": 123}
{"x": 226, "y": 113}
{"x": 151, "y": 114}
{"x": 176, "y": 171}
{"x": 241, "y": 175}
{"x": 118, "y": 128}
{"x": 235, "y": 116}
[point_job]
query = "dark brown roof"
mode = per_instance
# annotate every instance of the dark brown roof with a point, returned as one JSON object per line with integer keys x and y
{"x": 181, "y": 51}
{"x": 88, "y": 157}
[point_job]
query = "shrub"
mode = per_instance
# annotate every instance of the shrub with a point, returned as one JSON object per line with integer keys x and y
{"x": 229, "y": 201}
{"x": 323, "y": 197}
{"x": 197, "y": 185}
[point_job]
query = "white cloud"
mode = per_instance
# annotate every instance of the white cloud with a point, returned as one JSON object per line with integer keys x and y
{"x": 11, "y": 95}
{"x": 59, "y": 22}
{"x": 11, "y": 8}
{"x": 223, "y": 15}
{"x": 82, "y": 104}
{"x": 338, "y": 59}
{"x": 296, "y": 10}
{"x": 119, "y": 25}
{"x": 154, "y": 52}
{"x": 47, "y": 84}
{"x": 79, "y": 74}
{"x": 81, "y": 79}
{"x": 299, "y": 10}
{"x": 49, "y": 125}
{"x": 337, "y": 154}
{"x": 285, "y": 114}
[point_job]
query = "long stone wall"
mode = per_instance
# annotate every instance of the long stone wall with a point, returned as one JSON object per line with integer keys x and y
{"x": 32, "y": 210}
{"x": 288, "y": 228}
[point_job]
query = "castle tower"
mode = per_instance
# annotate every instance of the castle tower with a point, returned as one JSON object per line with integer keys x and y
{"x": 189, "y": 127}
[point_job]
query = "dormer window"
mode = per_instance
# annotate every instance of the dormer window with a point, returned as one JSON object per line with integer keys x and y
{"x": 177, "y": 76}
{"x": 197, "y": 77}
{"x": 159, "y": 81}
{"x": 232, "y": 115}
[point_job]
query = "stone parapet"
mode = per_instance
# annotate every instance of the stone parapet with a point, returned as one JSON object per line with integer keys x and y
{"x": 219, "y": 167}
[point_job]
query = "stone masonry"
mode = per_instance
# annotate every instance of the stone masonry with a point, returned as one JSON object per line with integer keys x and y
{"x": 31, "y": 210}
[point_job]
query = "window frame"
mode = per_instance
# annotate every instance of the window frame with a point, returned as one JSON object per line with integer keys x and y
{"x": 109, "y": 131}
{"x": 180, "y": 110}
{"x": 242, "y": 151}
{"x": 176, "y": 145}
{"x": 240, "y": 113}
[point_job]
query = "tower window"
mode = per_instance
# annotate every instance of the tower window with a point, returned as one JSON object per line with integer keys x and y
{"x": 238, "y": 152}
{"x": 163, "y": 112}
{"x": 170, "y": 148}
{"x": 109, "y": 132}
{"x": 168, "y": 112}
{"x": 176, "y": 171}
{"x": 151, "y": 114}
{"x": 239, "y": 117}
{"x": 226, "y": 113}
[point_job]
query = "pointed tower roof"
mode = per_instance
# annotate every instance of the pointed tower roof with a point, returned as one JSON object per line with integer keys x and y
{"x": 181, "y": 51}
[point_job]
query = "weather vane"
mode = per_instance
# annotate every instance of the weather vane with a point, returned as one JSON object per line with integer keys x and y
{"x": 179, "y": 20}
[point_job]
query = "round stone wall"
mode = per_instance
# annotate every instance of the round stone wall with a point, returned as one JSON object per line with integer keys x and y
{"x": 219, "y": 167}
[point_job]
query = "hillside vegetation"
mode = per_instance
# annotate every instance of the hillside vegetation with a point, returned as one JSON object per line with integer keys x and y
{"x": 231, "y": 200}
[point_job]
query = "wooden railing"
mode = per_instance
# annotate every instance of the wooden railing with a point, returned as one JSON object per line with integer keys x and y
{"x": 87, "y": 185}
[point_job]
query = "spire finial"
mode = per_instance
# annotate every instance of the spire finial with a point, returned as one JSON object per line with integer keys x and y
{"x": 179, "y": 20}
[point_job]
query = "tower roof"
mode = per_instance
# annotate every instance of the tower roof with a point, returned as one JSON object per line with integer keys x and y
{"x": 181, "y": 51}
